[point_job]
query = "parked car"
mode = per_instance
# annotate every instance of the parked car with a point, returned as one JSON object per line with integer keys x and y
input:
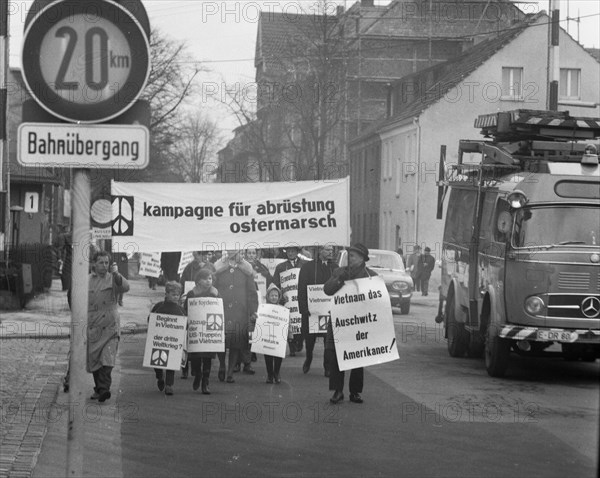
{"x": 390, "y": 267}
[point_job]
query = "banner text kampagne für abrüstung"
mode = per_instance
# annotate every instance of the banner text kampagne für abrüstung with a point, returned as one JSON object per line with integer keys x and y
{"x": 170, "y": 216}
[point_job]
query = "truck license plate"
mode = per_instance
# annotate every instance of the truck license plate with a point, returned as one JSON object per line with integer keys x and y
{"x": 557, "y": 336}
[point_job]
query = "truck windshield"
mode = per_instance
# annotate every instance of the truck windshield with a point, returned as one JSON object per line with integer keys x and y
{"x": 556, "y": 226}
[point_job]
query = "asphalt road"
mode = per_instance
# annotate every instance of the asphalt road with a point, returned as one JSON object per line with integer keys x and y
{"x": 424, "y": 415}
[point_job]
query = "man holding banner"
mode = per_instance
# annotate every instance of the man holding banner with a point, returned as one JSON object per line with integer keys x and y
{"x": 358, "y": 255}
{"x": 313, "y": 304}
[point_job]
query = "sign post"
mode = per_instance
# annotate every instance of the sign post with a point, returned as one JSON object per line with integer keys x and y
{"x": 84, "y": 62}
{"x": 79, "y": 307}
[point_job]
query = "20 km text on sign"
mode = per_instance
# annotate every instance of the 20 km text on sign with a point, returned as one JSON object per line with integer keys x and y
{"x": 85, "y": 61}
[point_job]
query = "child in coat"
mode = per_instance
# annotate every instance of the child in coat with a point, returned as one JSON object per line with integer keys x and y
{"x": 168, "y": 306}
{"x": 273, "y": 363}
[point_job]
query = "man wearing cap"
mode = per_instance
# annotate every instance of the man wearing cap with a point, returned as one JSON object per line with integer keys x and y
{"x": 358, "y": 255}
{"x": 292, "y": 262}
{"x": 427, "y": 265}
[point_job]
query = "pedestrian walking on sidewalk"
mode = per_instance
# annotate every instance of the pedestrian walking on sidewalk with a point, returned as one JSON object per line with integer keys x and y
{"x": 427, "y": 265}
{"x": 201, "y": 361}
{"x": 166, "y": 379}
{"x": 273, "y": 363}
{"x": 358, "y": 255}
{"x": 413, "y": 266}
{"x": 104, "y": 328}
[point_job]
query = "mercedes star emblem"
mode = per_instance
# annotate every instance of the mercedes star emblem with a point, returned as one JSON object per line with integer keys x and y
{"x": 590, "y": 307}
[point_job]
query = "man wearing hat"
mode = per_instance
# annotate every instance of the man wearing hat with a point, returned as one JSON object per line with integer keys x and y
{"x": 358, "y": 255}
{"x": 292, "y": 262}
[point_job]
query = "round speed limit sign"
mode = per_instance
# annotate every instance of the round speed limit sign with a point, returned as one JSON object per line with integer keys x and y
{"x": 85, "y": 60}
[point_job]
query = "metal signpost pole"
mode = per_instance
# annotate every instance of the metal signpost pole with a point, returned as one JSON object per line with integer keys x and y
{"x": 79, "y": 310}
{"x": 4, "y": 60}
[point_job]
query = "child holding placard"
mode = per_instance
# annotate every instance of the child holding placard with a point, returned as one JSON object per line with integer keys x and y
{"x": 168, "y": 306}
{"x": 273, "y": 363}
{"x": 201, "y": 361}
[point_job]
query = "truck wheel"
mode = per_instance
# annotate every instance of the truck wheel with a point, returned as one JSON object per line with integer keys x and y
{"x": 497, "y": 351}
{"x": 458, "y": 337}
{"x": 405, "y": 307}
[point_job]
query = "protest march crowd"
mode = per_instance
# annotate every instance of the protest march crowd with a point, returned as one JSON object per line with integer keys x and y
{"x": 241, "y": 304}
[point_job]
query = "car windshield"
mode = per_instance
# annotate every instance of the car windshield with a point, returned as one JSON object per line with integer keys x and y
{"x": 387, "y": 260}
{"x": 555, "y": 226}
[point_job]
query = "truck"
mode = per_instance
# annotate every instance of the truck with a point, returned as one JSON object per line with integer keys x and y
{"x": 520, "y": 265}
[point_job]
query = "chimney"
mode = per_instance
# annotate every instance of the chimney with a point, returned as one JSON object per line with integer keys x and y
{"x": 339, "y": 10}
{"x": 367, "y": 3}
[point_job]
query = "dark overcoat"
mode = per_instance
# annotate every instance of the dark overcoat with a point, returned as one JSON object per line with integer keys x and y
{"x": 313, "y": 272}
{"x": 240, "y": 302}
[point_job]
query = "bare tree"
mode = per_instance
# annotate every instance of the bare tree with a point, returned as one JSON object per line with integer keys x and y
{"x": 314, "y": 60}
{"x": 257, "y": 142}
{"x": 301, "y": 97}
{"x": 196, "y": 147}
{"x": 170, "y": 84}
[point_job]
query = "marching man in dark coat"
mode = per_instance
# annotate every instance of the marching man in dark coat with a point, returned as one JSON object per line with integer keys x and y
{"x": 292, "y": 262}
{"x": 314, "y": 272}
{"x": 240, "y": 303}
{"x": 358, "y": 255}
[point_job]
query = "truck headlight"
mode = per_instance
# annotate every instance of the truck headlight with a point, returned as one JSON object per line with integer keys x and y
{"x": 534, "y": 305}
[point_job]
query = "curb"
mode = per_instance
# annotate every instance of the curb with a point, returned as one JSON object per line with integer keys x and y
{"x": 139, "y": 329}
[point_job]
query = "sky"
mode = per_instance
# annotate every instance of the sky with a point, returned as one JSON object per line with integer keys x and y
{"x": 222, "y": 35}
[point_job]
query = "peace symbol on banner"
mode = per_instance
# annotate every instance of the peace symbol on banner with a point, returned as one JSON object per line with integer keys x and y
{"x": 122, "y": 216}
{"x": 159, "y": 357}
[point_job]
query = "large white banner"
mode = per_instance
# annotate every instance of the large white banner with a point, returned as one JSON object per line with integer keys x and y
{"x": 319, "y": 308}
{"x": 206, "y": 325}
{"x": 189, "y": 217}
{"x": 271, "y": 330}
{"x": 363, "y": 325}
{"x": 289, "y": 290}
{"x": 165, "y": 341}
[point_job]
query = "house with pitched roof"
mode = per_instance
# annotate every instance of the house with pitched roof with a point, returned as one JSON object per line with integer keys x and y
{"x": 438, "y": 105}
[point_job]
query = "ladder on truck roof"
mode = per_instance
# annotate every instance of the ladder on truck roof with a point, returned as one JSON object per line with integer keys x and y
{"x": 511, "y": 126}
{"x": 521, "y": 139}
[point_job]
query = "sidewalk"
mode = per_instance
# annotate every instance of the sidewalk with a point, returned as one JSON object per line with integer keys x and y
{"x": 34, "y": 346}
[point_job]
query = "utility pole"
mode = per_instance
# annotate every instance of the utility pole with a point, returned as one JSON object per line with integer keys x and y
{"x": 4, "y": 186}
{"x": 79, "y": 308}
{"x": 553, "y": 55}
